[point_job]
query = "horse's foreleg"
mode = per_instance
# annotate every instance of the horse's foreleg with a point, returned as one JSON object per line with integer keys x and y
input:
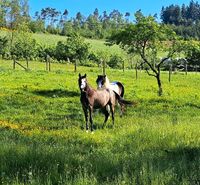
{"x": 106, "y": 113}
{"x": 86, "y": 117}
{"x": 90, "y": 114}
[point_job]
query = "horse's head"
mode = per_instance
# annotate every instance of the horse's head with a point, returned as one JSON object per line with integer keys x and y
{"x": 101, "y": 79}
{"x": 82, "y": 82}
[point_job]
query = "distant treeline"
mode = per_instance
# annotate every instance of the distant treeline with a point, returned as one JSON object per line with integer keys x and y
{"x": 185, "y": 20}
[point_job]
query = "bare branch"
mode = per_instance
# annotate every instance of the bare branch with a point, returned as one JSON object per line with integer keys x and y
{"x": 166, "y": 58}
{"x": 150, "y": 73}
{"x": 149, "y": 64}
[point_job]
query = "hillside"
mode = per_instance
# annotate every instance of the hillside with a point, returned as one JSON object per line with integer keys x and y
{"x": 49, "y": 39}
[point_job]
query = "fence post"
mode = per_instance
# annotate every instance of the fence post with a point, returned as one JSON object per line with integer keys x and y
{"x": 136, "y": 71}
{"x": 75, "y": 65}
{"x": 14, "y": 63}
{"x": 104, "y": 67}
{"x": 123, "y": 65}
{"x": 196, "y": 68}
{"x": 170, "y": 72}
{"x": 46, "y": 63}
{"x": 27, "y": 66}
{"x": 186, "y": 67}
{"x": 49, "y": 64}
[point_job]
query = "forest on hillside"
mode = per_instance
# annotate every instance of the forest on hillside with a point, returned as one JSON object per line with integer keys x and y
{"x": 184, "y": 19}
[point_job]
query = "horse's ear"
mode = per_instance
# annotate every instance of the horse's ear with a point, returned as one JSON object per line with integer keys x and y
{"x": 85, "y": 75}
{"x": 79, "y": 75}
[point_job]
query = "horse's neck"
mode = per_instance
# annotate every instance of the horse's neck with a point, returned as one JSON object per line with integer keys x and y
{"x": 89, "y": 90}
{"x": 107, "y": 83}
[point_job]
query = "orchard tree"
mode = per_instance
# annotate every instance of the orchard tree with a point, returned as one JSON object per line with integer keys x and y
{"x": 192, "y": 52}
{"x": 24, "y": 46}
{"x": 3, "y": 45}
{"x": 148, "y": 39}
{"x": 74, "y": 48}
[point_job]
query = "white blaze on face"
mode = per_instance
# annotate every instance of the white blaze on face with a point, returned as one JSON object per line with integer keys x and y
{"x": 83, "y": 83}
{"x": 99, "y": 84}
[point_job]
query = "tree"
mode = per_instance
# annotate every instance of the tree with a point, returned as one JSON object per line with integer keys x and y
{"x": 3, "y": 45}
{"x": 78, "y": 21}
{"x": 127, "y": 15}
{"x": 74, "y": 48}
{"x": 25, "y": 17}
{"x": 63, "y": 18}
{"x": 116, "y": 61}
{"x": 192, "y": 52}
{"x": 147, "y": 38}
{"x": 14, "y": 14}
{"x": 4, "y": 4}
{"x": 67, "y": 28}
{"x": 24, "y": 46}
{"x": 50, "y": 15}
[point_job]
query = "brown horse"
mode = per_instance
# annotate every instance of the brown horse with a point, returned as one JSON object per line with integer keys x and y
{"x": 97, "y": 99}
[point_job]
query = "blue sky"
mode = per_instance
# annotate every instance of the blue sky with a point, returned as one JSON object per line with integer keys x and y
{"x": 87, "y": 6}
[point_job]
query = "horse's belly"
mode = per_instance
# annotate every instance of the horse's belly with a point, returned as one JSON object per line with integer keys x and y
{"x": 99, "y": 104}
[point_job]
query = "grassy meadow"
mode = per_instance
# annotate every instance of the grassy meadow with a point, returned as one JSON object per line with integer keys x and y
{"x": 43, "y": 140}
{"x": 50, "y": 39}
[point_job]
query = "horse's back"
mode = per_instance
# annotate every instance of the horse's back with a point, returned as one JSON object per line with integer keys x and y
{"x": 101, "y": 98}
{"x": 117, "y": 87}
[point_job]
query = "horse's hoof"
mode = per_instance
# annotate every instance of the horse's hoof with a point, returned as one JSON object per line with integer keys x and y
{"x": 92, "y": 132}
{"x": 87, "y": 131}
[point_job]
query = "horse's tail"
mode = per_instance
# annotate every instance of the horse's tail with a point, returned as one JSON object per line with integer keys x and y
{"x": 123, "y": 101}
{"x": 120, "y": 85}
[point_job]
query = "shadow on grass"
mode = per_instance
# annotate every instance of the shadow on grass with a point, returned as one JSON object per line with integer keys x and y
{"x": 192, "y": 105}
{"x": 76, "y": 156}
{"x": 156, "y": 101}
{"x": 56, "y": 93}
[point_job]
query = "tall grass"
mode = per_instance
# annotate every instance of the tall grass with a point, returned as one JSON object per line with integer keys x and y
{"x": 43, "y": 139}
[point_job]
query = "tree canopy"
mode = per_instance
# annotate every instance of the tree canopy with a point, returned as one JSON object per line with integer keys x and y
{"x": 148, "y": 39}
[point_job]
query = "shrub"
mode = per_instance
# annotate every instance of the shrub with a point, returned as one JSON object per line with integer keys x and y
{"x": 115, "y": 61}
{"x": 74, "y": 48}
{"x": 24, "y": 46}
{"x": 3, "y": 46}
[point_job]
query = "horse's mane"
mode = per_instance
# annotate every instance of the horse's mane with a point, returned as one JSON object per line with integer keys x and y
{"x": 107, "y": 82}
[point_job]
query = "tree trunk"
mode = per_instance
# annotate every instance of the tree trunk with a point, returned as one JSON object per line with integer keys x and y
{"x": 136, "y": 71}
{"x": 104, "y": 67}
{"x": 160, "y": 91}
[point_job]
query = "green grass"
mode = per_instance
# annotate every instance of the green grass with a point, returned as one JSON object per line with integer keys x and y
{"x": 95, "y": 45}
{"x": 43, "y": 141}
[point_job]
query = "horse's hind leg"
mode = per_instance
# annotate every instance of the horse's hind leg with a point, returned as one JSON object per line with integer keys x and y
{"x": 122, "y": 108}
{"x": 112, "y": 108}
{"x": 106, "y": 113}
